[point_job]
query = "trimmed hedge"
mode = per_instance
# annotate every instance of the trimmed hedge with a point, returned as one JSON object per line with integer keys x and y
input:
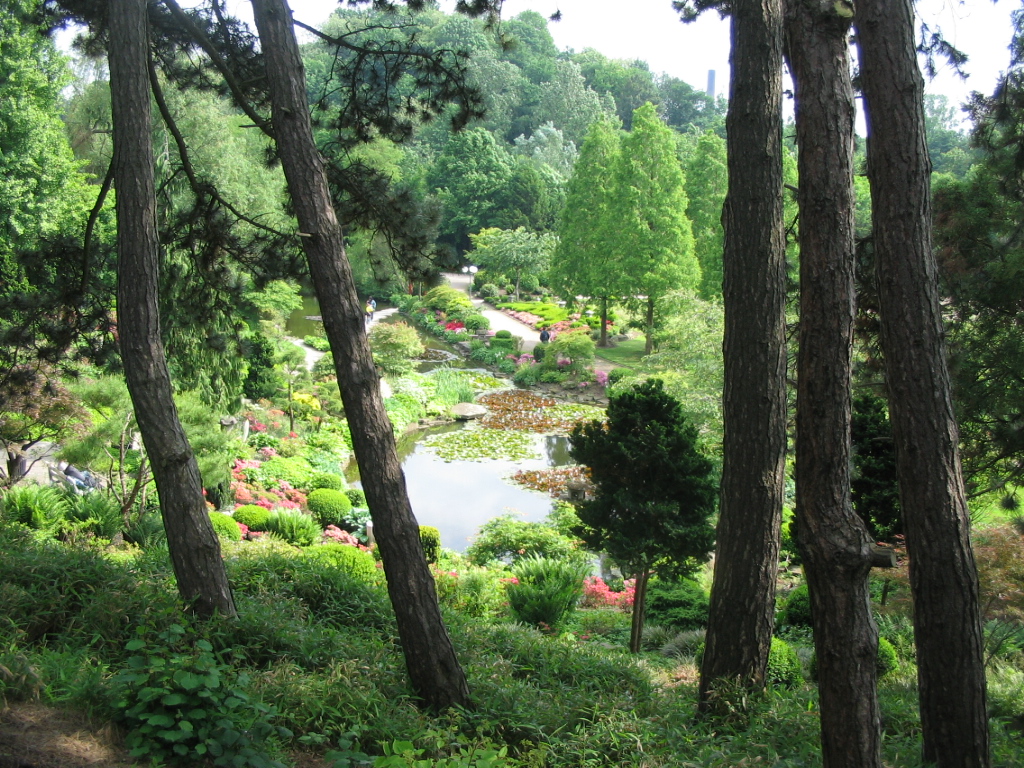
{"x": 226, "y": 526}
{"x": 680, "y": 604}
{"x": 352, "y": 560}
{"x": 253, "y": 516}
{"x": 329, "y": 507}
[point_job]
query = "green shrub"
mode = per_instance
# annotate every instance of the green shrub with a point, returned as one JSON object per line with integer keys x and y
{"x": 575, "y": 346}
{"x": 395, "y": 347}
{"x": 507, "y": 538}
{"x": 292, "y": 470}
{"x": 783, "y": 665}
{"x": 226, "y": 526}
{"x": 681, "y": 605}
{"x": 489, "y": 291}
{"x": 330, "y": 480}
{"x": 324, "y": 368}
{"x": 503, "y": 334}
{"x": 477, "y": 322}
{"x": 888, "y": 660}
{"x": 540, "y": 352}
{"x": 430, "y": 539}
{"x": 41, "y": 507}
{"x": 181, "y": 705}
{"x": 294, "y": 527}
{"x": 95, "y": 513}
{"x": 797, "y": 609}
{"x": 527, "y": 375}
{"x": 252, "y": 516}
{"x": 319, "y": 343}
{"x": 356, "y": 497}
{"x": 447, "y": 299}
{"x": 547, "y": 591}
{"x": 616, "y": 375}
{"x": 352, "y": 560}
{"x": 529, "y": 282}
{"x": 329, "y": 507}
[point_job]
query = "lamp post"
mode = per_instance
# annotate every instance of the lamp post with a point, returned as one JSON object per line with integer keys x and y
{"x": 471, "y": 271}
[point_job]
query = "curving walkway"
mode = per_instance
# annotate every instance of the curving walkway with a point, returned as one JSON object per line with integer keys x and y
{"x": 501, "y": 322}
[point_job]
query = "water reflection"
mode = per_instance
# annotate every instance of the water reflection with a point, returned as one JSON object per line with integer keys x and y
{"x": 457, "y": 497}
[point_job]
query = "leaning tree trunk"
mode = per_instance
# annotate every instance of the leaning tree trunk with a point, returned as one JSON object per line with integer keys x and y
{"x": 943, "y": 577}
{"x": 193, "y": 545}
{"x": 833, "y": 540}
{"x": 754, "y": 408}
{"x": 435, "y": 672}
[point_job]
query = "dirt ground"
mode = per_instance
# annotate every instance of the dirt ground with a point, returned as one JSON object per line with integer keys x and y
{"x": 35, "y": 736}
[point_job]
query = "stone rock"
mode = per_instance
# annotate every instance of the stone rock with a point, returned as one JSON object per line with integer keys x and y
{"x": 466, "y": 411}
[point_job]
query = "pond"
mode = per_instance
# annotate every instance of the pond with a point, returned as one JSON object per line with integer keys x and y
{"x": 457, "y": 497}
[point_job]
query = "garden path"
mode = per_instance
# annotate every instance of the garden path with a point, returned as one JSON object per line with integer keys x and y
{"x": 501, "y": 322}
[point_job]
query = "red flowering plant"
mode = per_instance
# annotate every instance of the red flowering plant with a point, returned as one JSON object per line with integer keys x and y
{"x": 456, "y": 326}
{"x": 335, "y": 534}
{"x": 597, "y": 594}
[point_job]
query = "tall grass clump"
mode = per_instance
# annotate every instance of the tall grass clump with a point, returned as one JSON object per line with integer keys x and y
{"x": 294, "y": 527}
{"x": 546, "y": 591}
{"x": 452, "y": 387}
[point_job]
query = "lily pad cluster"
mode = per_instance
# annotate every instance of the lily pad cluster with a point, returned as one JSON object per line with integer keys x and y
{"x": 551, "y": 481}
{"x": 525, "y": 411}
{"x": 480, "y": 444}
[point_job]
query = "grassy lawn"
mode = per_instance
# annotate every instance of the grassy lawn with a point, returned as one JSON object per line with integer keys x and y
{"x": 624, "y": 352}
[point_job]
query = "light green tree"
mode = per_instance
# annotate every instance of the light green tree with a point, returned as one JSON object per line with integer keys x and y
{"x": 512, "y": 252}
{"x": 649, "y": 204}
{"x": 584, "y": 264}
{"x": 707, "y": 181}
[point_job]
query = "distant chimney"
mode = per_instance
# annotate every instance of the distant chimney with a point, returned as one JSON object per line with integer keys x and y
{"x": 711, "y": 83}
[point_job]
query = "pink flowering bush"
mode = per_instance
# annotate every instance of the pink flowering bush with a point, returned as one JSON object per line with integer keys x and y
{"x": 335, "y": 534}
{"x": 597, "y": 594}
{"x": 602, "y": 378}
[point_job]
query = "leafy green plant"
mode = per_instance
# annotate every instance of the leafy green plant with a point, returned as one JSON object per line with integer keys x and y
{"x": 508, "y": 538}
{"x": 349, "y": 559}
{"x": 330, "y": 507}
{"x": 783, "y": 665}
{"x": 225, "y": 525}
{"x": 395, "y": 346}
{"x": 38, "y": 506}
{"x": 356, "y": 497}
{"x": 797, "y": 609}
{"x": 330, "y": 480}
{"x": 294, "y": 527}
{"x": 96, "y": 513}
{"x": 430, "y": 539}
{"x": 452, "y": 386}
{"x": 547, "y": 590}
{"x": 181, "y": 704}
{"x": 319, "y": 343}
{"x": 295, "y": 471}
{"x": 252, "y": 516}
{"x": 679, "y": 604}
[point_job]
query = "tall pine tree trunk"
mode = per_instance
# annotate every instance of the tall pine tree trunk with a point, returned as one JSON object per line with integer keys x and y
{"x": 943, "y": 577}
{"x": 435, "y": 672}
{"x": 636, "y": 626}
{"x": 193, "y": 545}
{"x": 754, "y": 408}
{"x": 833, "y": 540}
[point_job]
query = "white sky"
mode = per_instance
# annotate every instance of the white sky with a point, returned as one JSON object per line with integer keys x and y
{"x": 650, "y": 30}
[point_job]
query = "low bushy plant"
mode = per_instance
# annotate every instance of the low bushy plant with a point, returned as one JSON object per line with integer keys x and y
{"x": 252, "y": 516}
{"x": 294, "y": 470}
{"x": 330, "y": 480}
{"x": 294, "y": 527}
{"x": 680, "y": 605}
{"x": 226, "y": 526}
{"x": 783, "y": 665}
{"x": 41, "y": 507}
{"x": 508, "y": 539}
{"x": 181, "y": 705}
{"x": 319, "y": 343}
{"x": 395, "y": 346}
{"x": 352, "y": 560}
{"x": 330, "y": 507}
{"x": 546, "y": 590}
{"x": 797, "y": 609}
{"x": 502, "y": 334}
{"x": 489, "y": 291}
{"x": 96, "y": 513}
{"x": 430, "y": 540}
{"x": 356, "y": 497}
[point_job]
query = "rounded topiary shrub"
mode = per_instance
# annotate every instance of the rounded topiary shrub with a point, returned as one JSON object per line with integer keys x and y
{"x": 226, "y": 526}
{"x": 503, "y": 334}
{"x": 678, "y": 604}
{"x": 489, "y": 291}
{"x": 783, "y": 665}
{"x": 797, "y": 610}
{"x": 253, "y": 516}
{"x": 327, "y": 480}
{"x": 430, "y": 539}
{"x": 356, "y": 496}
{"x": 351, "y": 560}
{"x": 616, "y": 374}
{"x": 329, "y": 507}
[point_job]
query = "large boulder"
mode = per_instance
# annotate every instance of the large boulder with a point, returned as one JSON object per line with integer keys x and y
{"x": 466, "y": 411}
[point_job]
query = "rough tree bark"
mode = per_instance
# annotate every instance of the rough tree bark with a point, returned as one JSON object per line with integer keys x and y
{"x": 746, "y": 559}
{"x": 943, "y": 577}
{"x": 833, "y": 540}
{"x": 193, "y": 545}
{"x": 434, "y": 670}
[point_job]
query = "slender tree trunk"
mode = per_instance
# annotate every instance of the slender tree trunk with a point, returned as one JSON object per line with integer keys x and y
{"x": 943, "y": 578}
{"x": 636, "y": 627}
{"x": 193, "y": 545}
{"x": 435, "y": 672}
{"x": 649, "y": 326}
{"x": 604, "y": 322}
{"x": 833, "y": 540}
{"x": 742, "y": 611}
